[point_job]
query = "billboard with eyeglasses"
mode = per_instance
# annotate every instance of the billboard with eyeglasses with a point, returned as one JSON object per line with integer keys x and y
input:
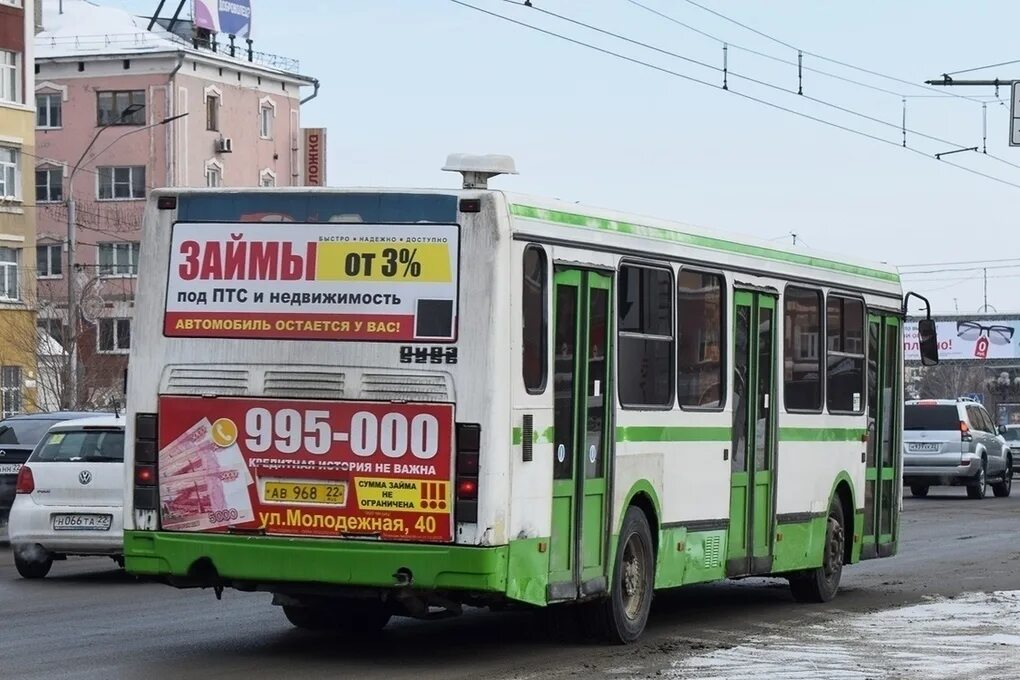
{"x": 975, "y": 339}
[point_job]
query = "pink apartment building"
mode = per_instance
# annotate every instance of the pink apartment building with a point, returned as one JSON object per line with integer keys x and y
{"x": 100, "y": 70}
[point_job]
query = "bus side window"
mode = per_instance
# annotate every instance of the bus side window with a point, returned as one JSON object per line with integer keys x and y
{"x": 802, "y": 349}
{"x": 534, "y": 321}
{"x": 701, "y": 318}
{"x": 646, "y": 348}
{"x": 845, "y": 355}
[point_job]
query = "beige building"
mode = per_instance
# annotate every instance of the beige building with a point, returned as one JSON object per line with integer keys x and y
{"x": 18, "y": 336}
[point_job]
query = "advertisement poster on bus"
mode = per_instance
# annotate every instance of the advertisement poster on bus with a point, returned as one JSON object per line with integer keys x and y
{"x": 306, "y": 468}
{"x": 974, "y": 339}
{"x": 334, "y": 281}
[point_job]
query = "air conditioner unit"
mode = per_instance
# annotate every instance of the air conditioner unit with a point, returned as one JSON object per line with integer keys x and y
{"x": 225, "y": 145}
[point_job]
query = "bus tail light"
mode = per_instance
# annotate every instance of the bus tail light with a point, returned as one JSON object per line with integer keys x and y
{"x": 146, "y": 492}
{"x": 26, "y": 482}
{"x": 965, "y": 434}
{"x": 469, "y": 443}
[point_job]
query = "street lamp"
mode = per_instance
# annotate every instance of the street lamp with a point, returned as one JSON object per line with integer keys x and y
{"x": 72, "y": 316}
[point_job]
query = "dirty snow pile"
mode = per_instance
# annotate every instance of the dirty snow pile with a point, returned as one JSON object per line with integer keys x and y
{"x": 976, "y": 635}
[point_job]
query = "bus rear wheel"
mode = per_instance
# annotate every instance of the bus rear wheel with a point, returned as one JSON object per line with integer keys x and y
{"x": 348, "y": 616}
{"x": 621, "y": 617}
{"x": 820, "y": 584}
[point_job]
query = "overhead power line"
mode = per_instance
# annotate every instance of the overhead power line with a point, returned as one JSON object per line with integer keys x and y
{"x": 982, "y": 68}
{"x": 958, "y": 262}
{"x": 961, "y": 269}
{"x": 816, "y": 55}
{"x": 742, "y": 95}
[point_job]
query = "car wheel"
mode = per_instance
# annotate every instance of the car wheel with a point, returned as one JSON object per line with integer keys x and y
{"x": 1002, "y": 489}
{"x": 820, "y": 584}
{"x": 349, "y": 616}
{"x": 621, "y": 617}
{"x": 979, "y": 487}
{"x": 33, "y": 568}
{"x": 919, "y": 490}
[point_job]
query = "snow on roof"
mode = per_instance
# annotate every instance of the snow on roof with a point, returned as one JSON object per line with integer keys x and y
{"x": 87, "y": 27}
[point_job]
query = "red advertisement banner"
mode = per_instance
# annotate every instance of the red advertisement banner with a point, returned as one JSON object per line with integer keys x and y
{"x": 307, "y": 468}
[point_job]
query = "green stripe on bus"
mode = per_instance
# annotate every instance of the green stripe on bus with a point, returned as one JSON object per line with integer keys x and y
{"x": 820, "y": 434}
{"x": 646, "y": 433}
{"x": 599, "y": 223}
{"x": 653, "y": 433}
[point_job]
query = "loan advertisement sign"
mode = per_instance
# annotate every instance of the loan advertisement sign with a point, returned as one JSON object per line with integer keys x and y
{"x": 974, "y": 339}
{"x": 307, "y": 468}
{"x": 333, "y": 281}
{"x": 230, "y": 17}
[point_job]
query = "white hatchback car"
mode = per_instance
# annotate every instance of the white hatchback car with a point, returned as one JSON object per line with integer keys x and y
{"x": 70, "y": 496}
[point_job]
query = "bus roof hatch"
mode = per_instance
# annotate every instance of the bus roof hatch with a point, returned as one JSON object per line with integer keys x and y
{"x": 477, "y": 169}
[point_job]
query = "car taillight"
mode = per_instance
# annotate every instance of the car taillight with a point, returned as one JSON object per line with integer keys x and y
{"x": 146, "y": 492}
{"x": 965, "y": 434}
{"x": 26, "y": 482}
{"x": 469, "y": 442}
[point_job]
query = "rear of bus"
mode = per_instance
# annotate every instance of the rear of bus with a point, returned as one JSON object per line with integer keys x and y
{"x": 310, "y": 395}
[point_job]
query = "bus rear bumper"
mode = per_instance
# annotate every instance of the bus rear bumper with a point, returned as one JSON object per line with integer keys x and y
{"x": 265, "y": 563}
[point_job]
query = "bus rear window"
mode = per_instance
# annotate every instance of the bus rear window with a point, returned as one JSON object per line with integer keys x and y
{"x": 931, "y": 418}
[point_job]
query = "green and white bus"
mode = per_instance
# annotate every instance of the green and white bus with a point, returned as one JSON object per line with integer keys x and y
{"x": 397, "y": 402}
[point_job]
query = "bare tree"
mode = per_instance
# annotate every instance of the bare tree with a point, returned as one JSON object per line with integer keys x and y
{"x": 950, "y": 380}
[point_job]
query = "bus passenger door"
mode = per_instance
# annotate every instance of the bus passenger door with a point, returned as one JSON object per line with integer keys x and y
{"x": 752, "y": 510}
{"x": 881, "y": 491}
{"x": 579, "y": 540}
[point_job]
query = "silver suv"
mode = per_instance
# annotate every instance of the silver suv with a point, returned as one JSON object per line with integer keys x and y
{"x": 953, "y": 442}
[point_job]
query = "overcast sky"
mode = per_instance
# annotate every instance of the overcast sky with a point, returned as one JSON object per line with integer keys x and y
{"x": 404, "y": 82}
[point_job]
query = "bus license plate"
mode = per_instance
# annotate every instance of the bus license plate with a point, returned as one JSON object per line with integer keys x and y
{"x": 917, "y": 446}
{"x": 76, "y": 522}
{"x": 318, "y": 493}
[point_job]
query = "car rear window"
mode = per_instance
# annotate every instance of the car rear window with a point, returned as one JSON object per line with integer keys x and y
{"x": 27, "y": 432}
{"x": 93, "y": 446}
{"x": 931, "y": 418}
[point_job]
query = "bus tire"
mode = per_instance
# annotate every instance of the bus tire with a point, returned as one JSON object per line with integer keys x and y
{"x": 348, "y": 616}
{"x": 622, "y": 616}
{"x": 821, "y": 583}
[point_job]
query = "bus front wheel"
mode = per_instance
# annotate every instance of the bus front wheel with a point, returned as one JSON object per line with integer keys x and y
{"x": 622, "y": 616}
{"x": 349, "y": 616}
{"x": 821, "y": 583}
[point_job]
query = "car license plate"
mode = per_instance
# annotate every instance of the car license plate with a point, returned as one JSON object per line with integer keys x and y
{"x": 318, "y": 493}
{"x": 922, "y": 446}
{"x": 82, "y": 522}
{"x": 10, "y": 468}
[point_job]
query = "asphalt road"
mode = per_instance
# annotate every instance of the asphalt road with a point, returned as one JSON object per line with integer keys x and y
{"x": 89, "y": 620}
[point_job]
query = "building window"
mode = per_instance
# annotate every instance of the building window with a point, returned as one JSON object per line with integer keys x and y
{"x": 212, "y": 113}
{"x": 844, "y": 343}
{"x": 52, "y": 327}
{"x": 266, "y": 114}
{"x": 10, "y": 390}
{"x": 534, "y": 321}
{"x": 10, "y": 77}
{"x": 645, "y": 327}
{"x": 111, "y": 107}
{"x": 48, "y": 110}
{"x": 49, "y": 260}
{"x": 802, "y": 349}
{"x": 12, "y": 3}
{"x": 9, "y": 273}
{"x": 114, "y": 335}
{"x": 213, "y": 175}
{"x": 10, "y": 173}
{"x": 49, "y": 185}
{"x": 700, "y": 319}
{"x": 267, "y": 178}
{"x": 121, "y": 182}
{"x": 118, "y": 259}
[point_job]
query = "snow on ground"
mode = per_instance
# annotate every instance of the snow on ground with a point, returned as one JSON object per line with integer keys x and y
{"x": 976, "y": 635}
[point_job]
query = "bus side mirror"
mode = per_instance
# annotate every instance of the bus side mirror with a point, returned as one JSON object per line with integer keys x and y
{"x": 929, "y": 342}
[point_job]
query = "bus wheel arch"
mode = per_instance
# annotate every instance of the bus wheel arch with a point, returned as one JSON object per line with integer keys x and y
{"x": 844, "y": 494}
{"x": 643, "y": 498}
